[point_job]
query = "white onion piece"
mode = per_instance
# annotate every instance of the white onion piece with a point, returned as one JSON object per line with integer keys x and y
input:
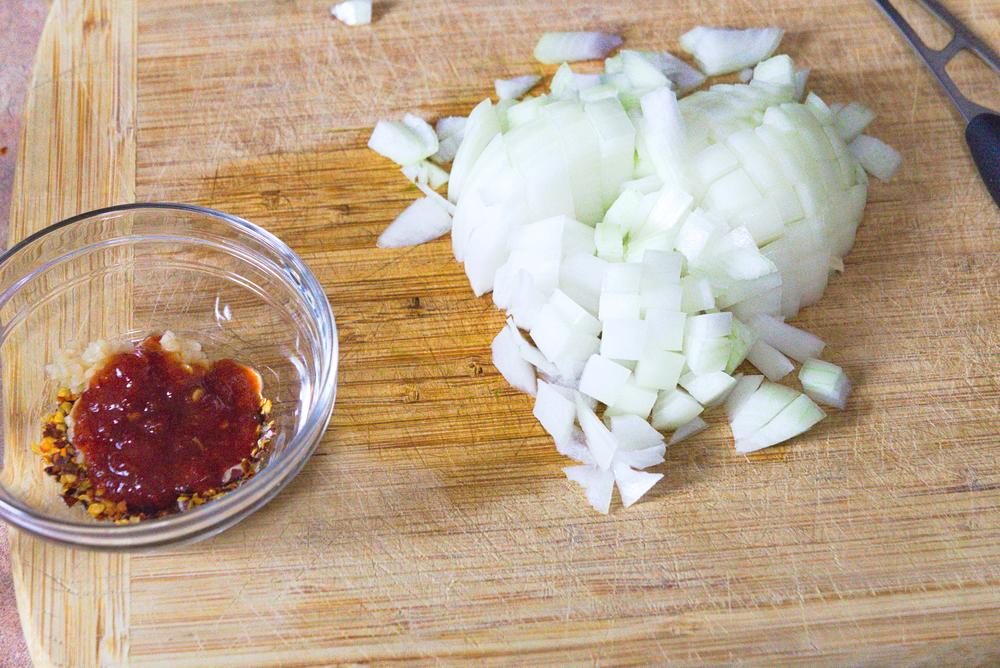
{"x": 580, "y": 277}
{"x": 778, "y": 71}
{"x": 665, "y": 135}
{"x": 801, "y": 80}
{"x": 624, "y": 338}
{"x": 724, "y": 50}
{"x": 745, "y": 75}
{"x": 577, "y": 316}
{"x": 353, "y": 12}
{"x": 641, "y": 73}
{"x": 745, "y": 387}
{"x": 674, "y": 408}
{"x": 530, "y": 353}
{"x": 575, "y": 447}
{"x": 665, "y": 329}
{"x": 632, "y": 484}
{"x": 450, "y": 131}
{"x": 769, "y": 361}
{"x": 742, "y": 338}
{"x": 482, "y": 125}
{"x": 792, "y": 341}
{"x": 755, "y": 412}
{"x": 603, "y": 379}
{"x": 399, "y": 142}
{"x": 510, "y": 89}
{"x": 601, "y": 443}
{"x": 427, "y": 173}
{"x": 794, "y": 419}
{"x": 567, "y": 47}
{"x": 644, "y": 458}
{"x": 878, "y": 158}
{"x": 420, "y": 222}
{"x": 616, "y": 141}
{"x": 709, "y": 325}
{"x": 709, "y": 389}
{"x": 850, "y": 120}
{"x": 597, "y": 483}
{"x": 633, "y": 400}
{"x": 634, "y": 433}
{"x": 622, "y": 279}
{"x": 825, "y": 382}
{"x": 688, "y": 429}
{"x": 555, "y": 412}
{"x": 423, "y": 130}
{"x": 659, "y": 369}
{"x": 620, "y": 305}
{"x": 511, "y": 365}
{"x": 428, "y": 190}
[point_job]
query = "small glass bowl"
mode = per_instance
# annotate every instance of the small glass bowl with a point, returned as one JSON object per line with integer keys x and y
{"x": 129, "y": 271}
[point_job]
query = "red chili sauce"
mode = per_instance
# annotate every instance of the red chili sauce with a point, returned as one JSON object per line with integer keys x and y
{"x": 152, "y": 428}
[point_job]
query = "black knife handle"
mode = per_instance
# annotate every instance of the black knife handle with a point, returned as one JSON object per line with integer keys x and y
{"x": 983, "y": 136}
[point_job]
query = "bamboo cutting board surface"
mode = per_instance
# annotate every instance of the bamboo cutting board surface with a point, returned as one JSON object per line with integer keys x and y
{"x": 434, "y": 522}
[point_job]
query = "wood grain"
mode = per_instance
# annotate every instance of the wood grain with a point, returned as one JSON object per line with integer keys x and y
{"x": 77, "y": 154}
{"x": 434, "y": 522}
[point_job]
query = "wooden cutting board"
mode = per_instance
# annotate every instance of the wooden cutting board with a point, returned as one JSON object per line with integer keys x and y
{"x": 434, "y": 522}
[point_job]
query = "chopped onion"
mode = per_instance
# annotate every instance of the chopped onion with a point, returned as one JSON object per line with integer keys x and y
{"x": 769, "y": 361}
{"x": 511, "y": 89}
{"x": 632, "y": 484}
{"x": 644, "y": 458}
{"x": 624, "y": 338}
{"x": 426, "y": 173}
{"x": 724, "y": 50}
{"x": 794, "y": 419}
{"x": 554, "y": 411}
{"x": 649, "y": 244}
{"x": 400, "y": 143}
{"x": 603, "y": 379}
{"x": 674, "y": 408}
{"x": 756, "y": 411}
{"x": 685, "y": 77}
{"x": 878, "y": 158}
{"x": 688, "y": 429}
{"x": 511, "y": 365}
{"x": 745, "y": 387}
{"x": 567, "y": 47}
{"x": 633, "y": 400}
{"x": 801, "y": 79}
{"x": 480, "y": 129}
{"x": 422, "y": 129}
{"x": 791, "y": 341}
{"x": 634, "y": 433}
{"x": 420, "y": 222}
{"x": 709, "y": 389}
{"x": 601, "y": 443}
{"x": 852, "y": 119}
{"x": 597, "y": 483}
{"x": 825, "y": 382}
{"x": 353, "y": 12}
{"x": 450, "y": 131}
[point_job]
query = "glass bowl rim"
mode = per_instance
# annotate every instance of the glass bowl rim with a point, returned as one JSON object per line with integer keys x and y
{"x": 233, "y": 506}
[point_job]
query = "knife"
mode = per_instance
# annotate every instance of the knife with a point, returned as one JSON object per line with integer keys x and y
{"x": 982, "y": 130}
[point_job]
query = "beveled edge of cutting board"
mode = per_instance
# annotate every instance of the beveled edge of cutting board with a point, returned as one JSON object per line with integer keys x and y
{"x": 77, "y": 154}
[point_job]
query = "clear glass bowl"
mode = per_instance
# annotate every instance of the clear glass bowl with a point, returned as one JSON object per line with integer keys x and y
{"x": 128, "y": 271}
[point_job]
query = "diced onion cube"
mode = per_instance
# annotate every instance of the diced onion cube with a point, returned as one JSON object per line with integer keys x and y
{"x": 674, "y": 408}
{"x": 555, "y": 412}
{"x": 825, "y": 382}
{"x": 623, "y": 338}
{"x": 603, "y": 379}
